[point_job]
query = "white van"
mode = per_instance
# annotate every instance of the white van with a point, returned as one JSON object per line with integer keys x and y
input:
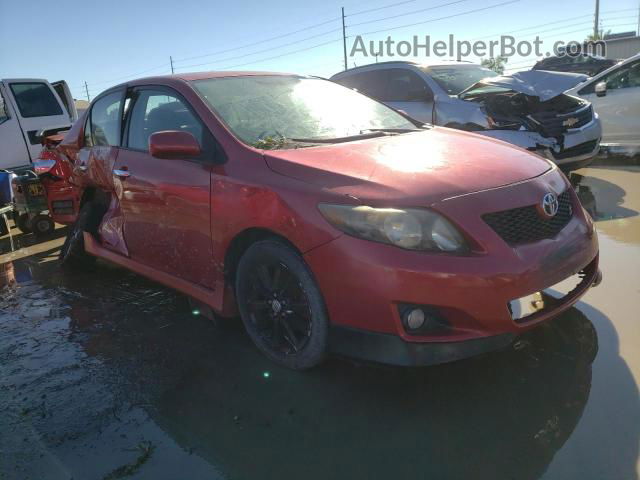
{"x": 28, "y": 106}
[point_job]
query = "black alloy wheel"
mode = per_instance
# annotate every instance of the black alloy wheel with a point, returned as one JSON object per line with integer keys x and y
{"x": 281, "y": 306}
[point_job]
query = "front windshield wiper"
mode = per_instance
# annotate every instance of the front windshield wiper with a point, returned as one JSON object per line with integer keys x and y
{"x": 350, "y": 138}
{"x": 392, "y": 130}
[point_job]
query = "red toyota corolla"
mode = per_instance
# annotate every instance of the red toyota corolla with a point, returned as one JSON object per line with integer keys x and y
{"x": 327, "y": 220}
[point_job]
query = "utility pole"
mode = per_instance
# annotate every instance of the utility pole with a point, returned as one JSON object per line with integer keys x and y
{"x": 344, "y": 40}
{"x": 596, "y": 23}
{"x": 86, "y": 89}
{"x": 171, "y": 62}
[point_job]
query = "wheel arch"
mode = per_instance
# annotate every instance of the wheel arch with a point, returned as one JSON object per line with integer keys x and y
{"x": 100, "y": 204}
{"x": 242, "y": 241}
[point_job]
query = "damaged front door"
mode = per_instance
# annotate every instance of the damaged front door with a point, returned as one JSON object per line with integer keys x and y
{"x": 165, "y": 202}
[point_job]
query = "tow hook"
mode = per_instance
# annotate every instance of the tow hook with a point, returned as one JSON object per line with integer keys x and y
{"x": 598, "y": 279}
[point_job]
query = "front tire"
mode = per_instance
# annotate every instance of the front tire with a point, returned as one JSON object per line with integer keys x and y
{"x": 281, "y": 306}
{"x": 73, "y": 254}
{"x": 22, "y": 222}
{"x": 42, "y": 225}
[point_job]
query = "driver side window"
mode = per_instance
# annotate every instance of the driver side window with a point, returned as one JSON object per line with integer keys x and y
{"x": 623, "y": 77}
{"x": 626, "y": 77}
{"x": 158, "y": 110}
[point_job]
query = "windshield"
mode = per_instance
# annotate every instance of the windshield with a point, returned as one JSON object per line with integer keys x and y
{"x": 482, "y": 88}
{"x": 456, "y": 78}
{"x": 263, "y": 110}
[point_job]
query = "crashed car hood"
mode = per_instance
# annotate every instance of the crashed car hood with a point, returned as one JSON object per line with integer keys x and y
{"x": 410, "y": 169}
{"x": 537, "y": 83}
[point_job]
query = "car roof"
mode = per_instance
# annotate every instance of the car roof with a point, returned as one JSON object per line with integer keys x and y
{"x": 190, "y": 76}
{"x": 434, "y": 63}
{"x": 220, "y": 74}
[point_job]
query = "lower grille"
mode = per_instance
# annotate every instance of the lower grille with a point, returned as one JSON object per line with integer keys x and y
{"x": 525, "y": 224}
{"x": 582, "y": 149}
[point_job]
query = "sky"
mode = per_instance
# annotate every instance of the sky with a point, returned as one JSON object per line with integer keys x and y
{"x": 105, "y": 43}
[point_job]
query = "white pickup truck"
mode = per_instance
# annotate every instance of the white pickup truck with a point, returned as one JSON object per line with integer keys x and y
{"x": 28, "y": 106}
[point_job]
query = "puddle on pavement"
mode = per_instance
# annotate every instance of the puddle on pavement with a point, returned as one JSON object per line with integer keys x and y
{"x": 106, "y": 375}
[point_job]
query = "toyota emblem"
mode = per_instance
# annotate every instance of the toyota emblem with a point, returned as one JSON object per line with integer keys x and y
{"x": 550, "y": 204}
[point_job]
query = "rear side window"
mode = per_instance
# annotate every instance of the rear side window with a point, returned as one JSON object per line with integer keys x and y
{"x": 105, "y": 120}
{"x": 35, "y": 100}
{"x": 158, "y": 110}
{"x": 404, "y": 86}
{"x": 373, "y": 83}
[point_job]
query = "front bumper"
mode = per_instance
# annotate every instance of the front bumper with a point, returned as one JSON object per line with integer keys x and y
{"x": 363, "y": 283}
{"x": 573, "y": 140}
{"x": 392, "y": 350}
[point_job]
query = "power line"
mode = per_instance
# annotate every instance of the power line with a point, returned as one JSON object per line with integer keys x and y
{"x": 101, "y": 82}
{"x": 280, "y": 55}
{"x": 288, "y": 34}
{"x": 588, "y": 28}
{"x": 408, "y": 13}
{"x": 379, "y": 8}
{"x": 468, "y": 12}
{"x": 588, "y": 22}
{"x": 554, "y": 23}
{"x": 259, "y": 51}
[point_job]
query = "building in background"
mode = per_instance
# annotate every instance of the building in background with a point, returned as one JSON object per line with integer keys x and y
{"x": 622, "y": 45}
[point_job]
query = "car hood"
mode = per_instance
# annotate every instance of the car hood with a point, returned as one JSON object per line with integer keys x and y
{"x": 416, "y": 168}
{"x": 536, "y": 83}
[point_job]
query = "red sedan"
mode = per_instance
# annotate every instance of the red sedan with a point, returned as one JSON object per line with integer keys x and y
{"x": 328, "y": 221}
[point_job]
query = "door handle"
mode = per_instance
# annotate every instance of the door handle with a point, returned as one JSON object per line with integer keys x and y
{"x": 122, "y": 173}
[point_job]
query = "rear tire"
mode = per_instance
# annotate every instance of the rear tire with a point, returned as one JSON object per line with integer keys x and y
{"x": 73, "y": 254}
{"x": 281, "y": 305}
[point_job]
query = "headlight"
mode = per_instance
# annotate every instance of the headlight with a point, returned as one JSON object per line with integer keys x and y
{"x": 411, "y": 228}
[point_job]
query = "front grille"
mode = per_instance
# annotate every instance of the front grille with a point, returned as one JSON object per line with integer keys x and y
{"x": 526, "y": 225}
{"x": 551, "y": 123}
{"x": 582, "y": 149}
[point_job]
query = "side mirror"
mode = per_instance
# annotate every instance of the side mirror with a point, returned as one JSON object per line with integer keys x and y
{"x": 601, "y": 89}
{"x": 173, "y": 144}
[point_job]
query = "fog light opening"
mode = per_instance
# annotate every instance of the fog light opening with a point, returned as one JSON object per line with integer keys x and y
{"x": 415, "y": 319}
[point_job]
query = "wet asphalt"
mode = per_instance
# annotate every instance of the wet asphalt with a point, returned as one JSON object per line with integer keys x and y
{"x": 106, "y": 375}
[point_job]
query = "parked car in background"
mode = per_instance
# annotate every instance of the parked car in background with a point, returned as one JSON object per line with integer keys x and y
{"x": 527, "y": 109}
{"x": 27, "y": 106}
{"x": 329, "y": 221}
{"x": 586, "y": 64}
{"x": 615, "y": 95}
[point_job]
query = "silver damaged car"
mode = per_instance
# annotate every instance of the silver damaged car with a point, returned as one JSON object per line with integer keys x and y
{"x": 528, "y": 109}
